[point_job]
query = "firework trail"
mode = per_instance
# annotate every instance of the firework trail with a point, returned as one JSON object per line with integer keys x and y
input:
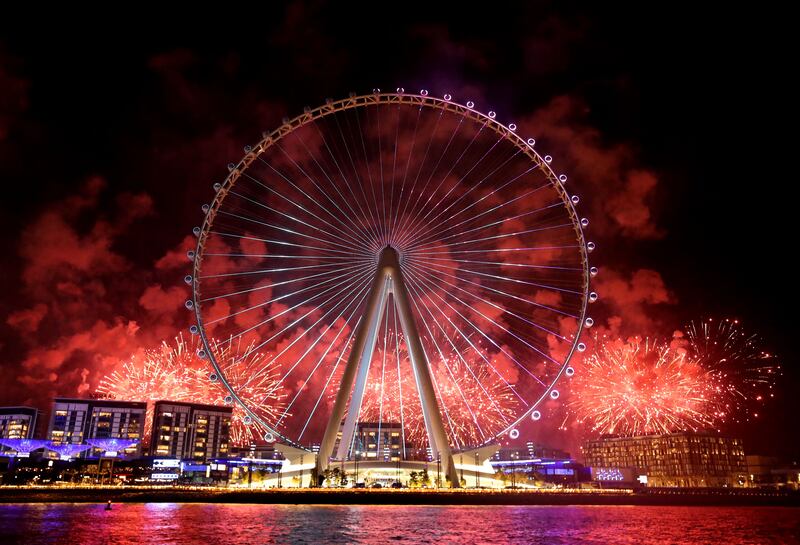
{"x": 489, "y": 408}
{"x": 490, "y": 247}
{"x": 743, "y": 372}
{"x": 175, "y": 372}
{"x": 642, "y": 387}
{"x": 476, "y": 401}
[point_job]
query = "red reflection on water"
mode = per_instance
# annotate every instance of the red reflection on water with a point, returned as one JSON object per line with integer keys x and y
{"x": 212, "y": 524}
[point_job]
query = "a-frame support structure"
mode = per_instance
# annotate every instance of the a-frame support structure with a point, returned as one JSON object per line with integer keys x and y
{"x": 388, "y": 281}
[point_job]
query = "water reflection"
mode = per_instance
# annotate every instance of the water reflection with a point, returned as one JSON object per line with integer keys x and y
{"x": 211, "y": 524}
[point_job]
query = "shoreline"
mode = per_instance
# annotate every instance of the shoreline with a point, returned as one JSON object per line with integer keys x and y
{"x": 12, "y": 495}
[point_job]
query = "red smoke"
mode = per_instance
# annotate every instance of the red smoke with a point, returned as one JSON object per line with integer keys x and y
{"x": 90, "y": 307}
{"x": 618, "y": 196}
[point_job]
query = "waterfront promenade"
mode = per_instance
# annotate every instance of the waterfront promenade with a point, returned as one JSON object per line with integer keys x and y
{"x": 398, "y": 497}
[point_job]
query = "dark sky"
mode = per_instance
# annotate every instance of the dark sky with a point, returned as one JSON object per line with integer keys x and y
{"x": 111, "y": 136}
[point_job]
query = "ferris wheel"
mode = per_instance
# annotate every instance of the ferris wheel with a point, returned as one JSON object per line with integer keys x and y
{"x": 392, "y": 257}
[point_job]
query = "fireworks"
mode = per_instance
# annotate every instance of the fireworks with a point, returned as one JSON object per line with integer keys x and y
{"x": 743, "y": 372}
{"x": 489, "y": 248}
{"x": 642, "y": 387}
{"x": 176, "y": 373}
{"x": 476, "y": 403}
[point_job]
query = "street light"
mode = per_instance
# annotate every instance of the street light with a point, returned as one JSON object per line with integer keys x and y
{"x": 477, "y": 470}
{"x": 301, "y": 472}
{"x": 358, "y": 453}
{"x": 513, "y": 471}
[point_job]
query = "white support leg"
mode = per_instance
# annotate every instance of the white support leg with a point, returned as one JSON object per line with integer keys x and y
{"x": 388, "y": 276}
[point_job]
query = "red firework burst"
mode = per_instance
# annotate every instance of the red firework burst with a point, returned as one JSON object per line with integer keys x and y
{"x": 642, "y": 387}
{"x": 176, "y": 373}
{"x": 744, "y": 372}
{"x": 475, "y": 400}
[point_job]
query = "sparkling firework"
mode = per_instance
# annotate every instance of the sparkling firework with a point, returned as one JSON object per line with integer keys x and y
{"x": 473, "y": 398}
{"x": 472, "y": 408}
{"x": 176, "y": 373}
{"x": 642, "y": 387}
{"x": 743, "y": 372}
{"x": 490, "y": 248}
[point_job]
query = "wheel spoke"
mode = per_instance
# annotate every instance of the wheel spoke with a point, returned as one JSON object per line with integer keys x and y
{"x": 403, "y": 226}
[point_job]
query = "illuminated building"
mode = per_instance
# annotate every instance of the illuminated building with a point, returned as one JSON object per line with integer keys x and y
{"x": 540, "y": 463}
{"x": 675, "y": 460}
{"x": 530, "y": 451}
{"x": 379, "y": 441}
{"x": 17, "y": 422}
{"x": 190, "y": 431}
{"x": 540, "y": 451}
{"x": 255, "y": 452}
{"x": 75, "y": 421}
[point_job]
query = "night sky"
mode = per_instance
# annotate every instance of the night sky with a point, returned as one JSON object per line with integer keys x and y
{"x": 674, "y": 125}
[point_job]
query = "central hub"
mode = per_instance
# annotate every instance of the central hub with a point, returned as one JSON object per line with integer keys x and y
{"x": 389, "y": 258}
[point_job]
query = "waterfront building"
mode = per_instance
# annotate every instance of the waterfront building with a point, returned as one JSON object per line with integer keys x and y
{"x": 18, "y": 422}
{"x": 770, "y": 472}
{"x": 255, "y": 451}
{"x": 379, "y": 441}
{"x": 530, "y": 451}
{"x": 540, "y": 464}
{"x": 190, "y": 431}
{"x": 686, "y": 459}
{"x": 75, "y": 421}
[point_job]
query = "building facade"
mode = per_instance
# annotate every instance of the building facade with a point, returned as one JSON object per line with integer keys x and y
{"x": 770, "y": 472}
{"x": 18, "y": 422}
{"x": 539, "y": 464}
{"x": 674, "y": 460}
{"x": 190, "y": 431}
{"x": 255, "y": 452}
{"x": 379, "y": 441}
{"x": 530, "y": 451}
{"x": 73, "y": 421}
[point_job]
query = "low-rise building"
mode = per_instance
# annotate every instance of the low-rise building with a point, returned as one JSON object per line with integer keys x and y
{"x": 18, "y": 422}
{"x": 190, "y": 431}
{"x": 379, "y": 441}
{"x": 686, "y": 459}
{"x": 75, "y": 421}
{"x": 255, "y": 452}
{"x": 770, "y": 472}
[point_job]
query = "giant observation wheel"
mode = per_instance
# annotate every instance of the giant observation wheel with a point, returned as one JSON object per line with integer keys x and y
{"x": 391, "y": 257}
